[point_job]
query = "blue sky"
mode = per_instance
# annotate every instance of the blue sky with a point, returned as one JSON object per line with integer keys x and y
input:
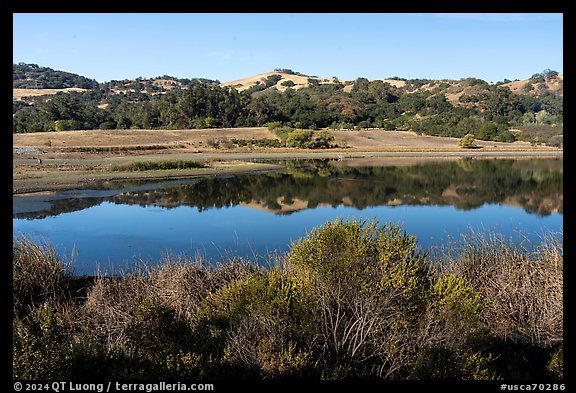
{"x": 232, "y": 46}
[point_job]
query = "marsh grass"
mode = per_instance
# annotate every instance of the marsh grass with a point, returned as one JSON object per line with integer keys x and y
{"x": 522, "y": 280}
{"x": 158, "y": 165}
{"x": 39, "y": 275}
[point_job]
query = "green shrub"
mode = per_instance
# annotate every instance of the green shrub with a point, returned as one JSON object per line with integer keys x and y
{"x": 283, "y": 132}
{"x": 445, "y": 363}
{"x": 262, "y": 142}
{"x": 468, "y": 141}
{"x": 259, "y": 323}
{"x": 347, "y": 126}
{"x": 67, "y": 125}
{"x": 457, "y": 301}
{"x": 121, "y": 149}
{"x": 37, "y": 345}
{"x": 450, "y": 336}
{"x": 369, "y": 285}
{"x": 306, "y": 139}
{"x": 505, "y": 136}
{"x": 299, "y": 138}
{"x": 322, "y": 140}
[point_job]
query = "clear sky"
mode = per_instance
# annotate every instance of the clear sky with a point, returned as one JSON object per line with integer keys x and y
{"x": 232, "y": 46}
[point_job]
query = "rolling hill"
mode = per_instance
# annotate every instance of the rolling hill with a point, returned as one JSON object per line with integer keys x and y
{"x": 553, "y": 85}
{"x": 30, "y": 80}
{"x": 295, "y": 81}
{"x": 46, "y": 100}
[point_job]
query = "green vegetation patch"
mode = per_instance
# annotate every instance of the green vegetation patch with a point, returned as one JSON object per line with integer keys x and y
{"x": 307, "y": 139}
{"x": 159, "y": 165}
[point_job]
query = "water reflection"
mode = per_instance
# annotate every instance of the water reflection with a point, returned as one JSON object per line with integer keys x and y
{"x": 252, "y": 215}
{"x": 536, "y": 185}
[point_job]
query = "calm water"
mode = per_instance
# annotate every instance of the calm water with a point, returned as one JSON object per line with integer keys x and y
{"x": 254, "y": 215}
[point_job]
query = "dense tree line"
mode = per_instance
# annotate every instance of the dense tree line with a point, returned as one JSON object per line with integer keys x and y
{"x": 485, "y": 110}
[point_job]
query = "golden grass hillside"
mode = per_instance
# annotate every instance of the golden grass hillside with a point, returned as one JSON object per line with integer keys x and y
{"x": 554, "y": 85}
{"x": 18, "y": 94}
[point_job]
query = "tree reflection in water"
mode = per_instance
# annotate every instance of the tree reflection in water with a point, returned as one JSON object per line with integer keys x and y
{"x": 534, "y": 184}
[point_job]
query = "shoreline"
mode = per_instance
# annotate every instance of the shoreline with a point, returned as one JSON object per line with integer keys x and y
{"x": 72, "y": 159}
{"x": 65, "y": 172}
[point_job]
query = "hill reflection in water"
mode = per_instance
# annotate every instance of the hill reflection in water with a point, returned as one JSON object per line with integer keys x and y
{"x": 536, "y": 185}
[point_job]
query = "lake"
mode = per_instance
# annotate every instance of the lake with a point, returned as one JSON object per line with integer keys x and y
{"x": 256, "y": 215}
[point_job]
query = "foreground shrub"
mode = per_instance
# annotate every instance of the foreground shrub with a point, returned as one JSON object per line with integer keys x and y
{"x": 37, "y": 346}
{"x": 369, "y": 285}
{"x": 352, "y": 299}
{"x": 556, "y": 364}
{"x": 451, "y": 339}
{"x": 260, "y": 325}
